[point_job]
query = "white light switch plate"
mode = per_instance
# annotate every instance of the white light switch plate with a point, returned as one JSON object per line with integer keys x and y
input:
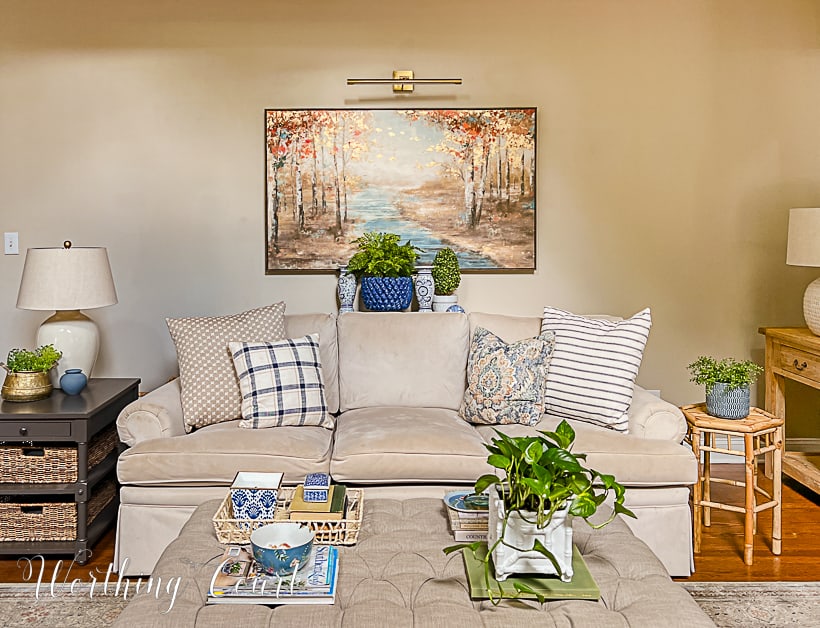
{"x": 10, "y": 243}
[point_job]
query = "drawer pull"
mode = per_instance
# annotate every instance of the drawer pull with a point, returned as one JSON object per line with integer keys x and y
{"x": 23, "y": 431}
{"x": 31, "y": 510}
{"x": 798, "y": 365}
{"x": 36, "y": 452}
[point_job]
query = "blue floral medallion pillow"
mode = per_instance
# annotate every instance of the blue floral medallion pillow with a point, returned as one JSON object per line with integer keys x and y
{"x": 506, "y": 382}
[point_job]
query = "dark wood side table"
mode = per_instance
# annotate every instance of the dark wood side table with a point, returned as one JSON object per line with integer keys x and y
{"x": 64, "y": 420}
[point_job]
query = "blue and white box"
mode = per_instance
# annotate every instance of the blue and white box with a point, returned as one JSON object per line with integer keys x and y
{"x": 316, "y": 487}
{"x": 254, "y": 495}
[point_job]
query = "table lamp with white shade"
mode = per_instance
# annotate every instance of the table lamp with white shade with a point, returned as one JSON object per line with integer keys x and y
{"x": 68, "y": 279}
{"x": 804, "y": 250}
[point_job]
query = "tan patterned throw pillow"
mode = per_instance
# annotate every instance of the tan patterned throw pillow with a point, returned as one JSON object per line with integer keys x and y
{"x": 210, "y": 389}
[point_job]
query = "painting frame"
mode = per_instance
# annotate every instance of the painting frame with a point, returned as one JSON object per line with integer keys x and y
{"x": 464, "y": 178}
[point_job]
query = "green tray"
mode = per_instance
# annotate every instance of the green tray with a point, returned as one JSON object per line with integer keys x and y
{"x": 581, "y": 587}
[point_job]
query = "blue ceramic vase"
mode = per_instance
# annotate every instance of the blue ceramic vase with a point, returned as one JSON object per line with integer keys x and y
{"x": 73, "y": 381}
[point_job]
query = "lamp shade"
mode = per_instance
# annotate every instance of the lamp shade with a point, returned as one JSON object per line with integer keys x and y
{"x": 68, "y": 278}
{"x": 804, "y": 237}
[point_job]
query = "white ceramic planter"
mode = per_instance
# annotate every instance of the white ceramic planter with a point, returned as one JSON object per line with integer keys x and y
{"x": 556, "y": 537}
{"x": 441, "y": 303}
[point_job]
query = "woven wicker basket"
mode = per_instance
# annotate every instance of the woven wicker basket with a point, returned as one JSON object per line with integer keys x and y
{"x": 52, "y": 463}
{"x": 50, "y": 521}
{"x": 232, "y": 531}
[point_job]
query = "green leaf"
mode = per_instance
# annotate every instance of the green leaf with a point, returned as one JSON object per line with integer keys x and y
{"x": 583, "y": 506}
{"x": 525, "y": 588}
{"x": 498, "y": 461}
{"x": 623, "y": 510}
{"x": 538, "y": 546}
{"x": 533, "y": 452}
{"x": 484, "y": 481}
{"x": 474, "y": 546}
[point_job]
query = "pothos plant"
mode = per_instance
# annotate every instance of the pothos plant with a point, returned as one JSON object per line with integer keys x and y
{"x": 381, "y": 255}
{"x": 539, "y": 476}
{"x": 708, "y": 371}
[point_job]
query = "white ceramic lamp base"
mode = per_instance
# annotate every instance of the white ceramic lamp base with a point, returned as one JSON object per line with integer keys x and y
{"x": 76, "y": 336}
{"x": 811, "y": 306}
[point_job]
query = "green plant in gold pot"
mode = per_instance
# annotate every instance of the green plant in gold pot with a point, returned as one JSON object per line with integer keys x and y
{"x": 539, "y": 487}
{"x": 27, "y": 377}
{"x": 728, "y": 385}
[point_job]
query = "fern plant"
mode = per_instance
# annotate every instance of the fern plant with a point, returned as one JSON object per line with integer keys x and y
{"x": 381, "y": 255}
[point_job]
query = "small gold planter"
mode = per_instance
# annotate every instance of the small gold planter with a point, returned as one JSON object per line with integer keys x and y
{"x": 26, "y": 386}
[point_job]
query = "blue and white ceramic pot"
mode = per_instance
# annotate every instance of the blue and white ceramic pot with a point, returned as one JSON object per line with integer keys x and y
{"x": 424, "y": 288}
{"x": 347, "y": 290}
{"x": 387, "y": 294}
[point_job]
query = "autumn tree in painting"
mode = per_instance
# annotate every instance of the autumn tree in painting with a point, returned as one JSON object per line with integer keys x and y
{"x": 475, "y": 139}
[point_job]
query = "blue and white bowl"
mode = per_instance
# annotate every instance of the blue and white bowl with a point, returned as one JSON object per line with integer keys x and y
{"x": 281, "y": 548}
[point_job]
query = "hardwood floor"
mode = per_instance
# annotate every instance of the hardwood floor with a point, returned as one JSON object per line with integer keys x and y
{"x": 720, "y": 559}
{"x": 12, "y": 569}
{"x": 721, "y": 555}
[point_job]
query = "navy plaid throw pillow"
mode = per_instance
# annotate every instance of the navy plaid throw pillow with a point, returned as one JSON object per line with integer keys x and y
{"x": 281, "y": 383}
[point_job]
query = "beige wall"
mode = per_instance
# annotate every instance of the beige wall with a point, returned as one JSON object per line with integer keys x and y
{"x": 673, "y": 136}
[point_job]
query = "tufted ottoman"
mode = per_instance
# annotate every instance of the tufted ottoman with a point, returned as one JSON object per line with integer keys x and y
{"x": 398, "y": 576}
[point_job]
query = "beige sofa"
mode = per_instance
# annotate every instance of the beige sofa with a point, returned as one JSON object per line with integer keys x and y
{"x": 395, "y": 381}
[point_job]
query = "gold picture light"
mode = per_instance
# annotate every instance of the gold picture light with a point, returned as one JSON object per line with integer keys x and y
{"x": 403, "y": 81}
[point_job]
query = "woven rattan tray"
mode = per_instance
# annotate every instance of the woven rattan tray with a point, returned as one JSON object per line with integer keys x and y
{"x": 52, "y": 463}
{"x": 342, "y": 532}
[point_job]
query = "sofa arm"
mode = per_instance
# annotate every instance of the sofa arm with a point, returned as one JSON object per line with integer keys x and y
{"x": 156, "y": 415}
{"x": 652, "y": 417}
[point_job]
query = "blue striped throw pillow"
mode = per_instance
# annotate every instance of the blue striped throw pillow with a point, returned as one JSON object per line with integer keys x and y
{"x": 593, "y": 367}
{"x": 281, "y": 383}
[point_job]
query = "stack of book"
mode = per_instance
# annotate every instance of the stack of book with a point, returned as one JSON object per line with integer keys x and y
{"x": 333, "y": 509}
{"x": 467, "y": 521}
{"x": 239, "y": 580}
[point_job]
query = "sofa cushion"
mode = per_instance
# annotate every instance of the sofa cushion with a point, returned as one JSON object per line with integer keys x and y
{"x": 505, "y": 382}
{"x": 210, "y": 389}
{"x": 402, "y": 359}
{"x": 594, "y": 366}
{"x": 212, "y": 455}
{"x": 406, "y": 445}
{"x": 632, "y": 460}
{"x": 281, "y": 383}
{"x": 325, "y": 325}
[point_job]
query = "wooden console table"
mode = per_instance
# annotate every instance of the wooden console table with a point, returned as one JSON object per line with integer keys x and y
{"x": 792, "y": 353}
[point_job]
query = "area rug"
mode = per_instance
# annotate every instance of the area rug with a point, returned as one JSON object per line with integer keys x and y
{"x": 24, "y": 605}
{"x": 758, "y": 604}
{"x": 729, "y": 604}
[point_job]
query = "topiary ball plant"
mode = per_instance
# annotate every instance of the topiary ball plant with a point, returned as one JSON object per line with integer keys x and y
{"x": 446, "y": 272}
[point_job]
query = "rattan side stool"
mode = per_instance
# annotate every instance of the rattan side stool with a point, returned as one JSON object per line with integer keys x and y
{"x": 762, "y": 433}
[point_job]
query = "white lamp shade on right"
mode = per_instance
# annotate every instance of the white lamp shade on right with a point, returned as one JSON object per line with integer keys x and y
{"x": 804, "y": 250}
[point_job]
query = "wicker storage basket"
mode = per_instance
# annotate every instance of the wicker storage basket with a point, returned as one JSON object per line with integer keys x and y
{"x": 341, "y": 532}
{"x": 50, "y": 521}
{"x": 52, "y": 463}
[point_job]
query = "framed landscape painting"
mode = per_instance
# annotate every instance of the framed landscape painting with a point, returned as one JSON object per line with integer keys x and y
{"x": 458, "y": 178}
